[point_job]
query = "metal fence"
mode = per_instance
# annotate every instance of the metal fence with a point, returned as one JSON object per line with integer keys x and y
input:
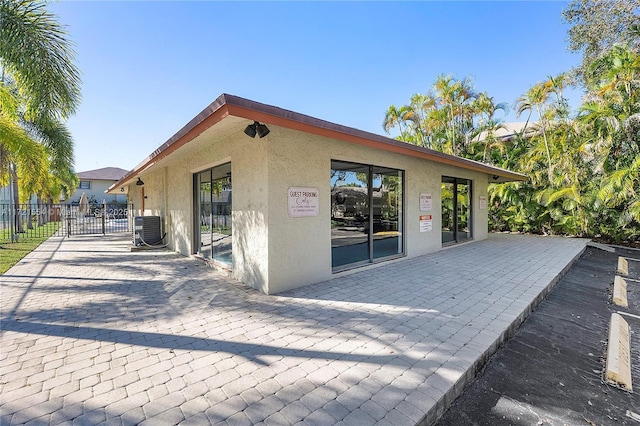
{"x": 23, "y": 221}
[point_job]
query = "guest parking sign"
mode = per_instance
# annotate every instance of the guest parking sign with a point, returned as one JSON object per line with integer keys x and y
{"x": 303, "y": 202}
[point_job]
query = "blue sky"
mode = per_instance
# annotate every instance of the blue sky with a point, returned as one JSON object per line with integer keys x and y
{"x": 149, "y": 67}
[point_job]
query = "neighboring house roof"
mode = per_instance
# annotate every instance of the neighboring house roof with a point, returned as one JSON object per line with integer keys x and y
{"x": 228, "y": 105}
{"x": 106, "y": 173}
{"x": 509, "y": 130}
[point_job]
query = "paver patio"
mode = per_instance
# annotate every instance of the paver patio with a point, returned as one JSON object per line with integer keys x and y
{"x": 92, "y": 333}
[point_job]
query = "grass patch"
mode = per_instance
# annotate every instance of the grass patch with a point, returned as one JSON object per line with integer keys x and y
{"x": 11, "y": 253}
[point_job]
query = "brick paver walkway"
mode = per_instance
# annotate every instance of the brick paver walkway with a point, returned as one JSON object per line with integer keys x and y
{"x": 93, "y": 333}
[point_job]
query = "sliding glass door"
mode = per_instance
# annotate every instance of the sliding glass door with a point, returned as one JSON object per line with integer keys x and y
{"x": 350, "y": 214}
{"x": 456, "y": 210}
{"x": 366, "y": 213}
{"x": 387, "y": 212}
{"x": 213, "y": 207}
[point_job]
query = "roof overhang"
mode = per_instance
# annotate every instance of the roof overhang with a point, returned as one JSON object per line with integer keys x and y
{"x": 228, "y": 105}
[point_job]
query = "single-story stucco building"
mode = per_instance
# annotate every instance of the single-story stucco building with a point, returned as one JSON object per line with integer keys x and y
{"x": 282, "y": 200}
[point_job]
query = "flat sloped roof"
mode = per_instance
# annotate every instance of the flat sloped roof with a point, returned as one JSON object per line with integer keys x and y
{"x": 229, "y": 105}
{"x": 105, "y": 173}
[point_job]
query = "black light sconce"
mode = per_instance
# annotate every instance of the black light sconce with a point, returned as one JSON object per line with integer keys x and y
{"x": 139, "y": 182}
{"x": 256, "y": 129}
{"x": 495, "y": 177}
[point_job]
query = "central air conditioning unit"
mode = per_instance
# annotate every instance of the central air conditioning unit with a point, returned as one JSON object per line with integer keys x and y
{"x": 146, "y": 230}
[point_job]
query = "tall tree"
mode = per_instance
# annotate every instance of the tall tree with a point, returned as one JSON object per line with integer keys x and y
{"x": 456, "y": 98}
{"x": 39, "y": 87}
{"x": 34, "y": 50}
{"x": 550, "y": 110}
{"x": 396, "y": 117}
{"x": 442, "y": 119}
{"x": 420, "y": 106}
{"x": 611, "y": 115}
{"x": 536, "y": 99}
{"x": 597, "y": 25}
{"x": 612, "y": 108}
{"x": 487, "y": 125}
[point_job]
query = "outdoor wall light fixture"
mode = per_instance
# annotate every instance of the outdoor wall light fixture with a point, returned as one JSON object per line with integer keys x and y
{"x": 256, "y": 129}
{"x": 139, "y": 182}
{"x": 495, "y": 177}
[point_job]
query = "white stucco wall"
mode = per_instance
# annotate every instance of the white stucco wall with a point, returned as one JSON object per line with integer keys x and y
{"x": 179, "y": 206}
{"x": 169, "y": 192}
{"x": 272, "y": 251}
{"x": 97, "y": 191}
{"x": 300, "y": 248}
{"x": 250, "y": 180}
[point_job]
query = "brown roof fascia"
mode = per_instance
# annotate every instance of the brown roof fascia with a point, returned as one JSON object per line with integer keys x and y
{"x": 226, "y": 105}
{"x": 211, "y": 115}
{"x": 268, "y": 114}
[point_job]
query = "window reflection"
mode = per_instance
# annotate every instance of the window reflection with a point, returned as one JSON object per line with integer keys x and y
{"x": 463, "y": 211}
{"x": 349, "y": 213}
{"x": 366, "y": 213}
{"x": 205, "y": 214}
{"x": 214, "y": 209}
{"x": 456, "y": 209}
{"x": 448, "y": 216}
{"x": 387, "y": 212}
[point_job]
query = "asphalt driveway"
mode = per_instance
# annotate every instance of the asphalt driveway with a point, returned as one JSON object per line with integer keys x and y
{"x": 551, "y": 371}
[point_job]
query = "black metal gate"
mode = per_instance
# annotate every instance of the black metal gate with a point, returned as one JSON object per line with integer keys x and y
{"x": 20, "y": 221}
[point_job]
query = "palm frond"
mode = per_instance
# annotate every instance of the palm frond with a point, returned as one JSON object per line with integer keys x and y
{"x": 20, "y": 149}
{"x": 34, "y": 50}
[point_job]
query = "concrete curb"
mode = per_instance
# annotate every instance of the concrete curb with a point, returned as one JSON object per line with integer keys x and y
{"x": 618, "y": 370}
{"x": 441, "y": 406}
{"x": 599, "y": 246}
{"x": 620, "y": 292}
{"x": 623, "y": 266}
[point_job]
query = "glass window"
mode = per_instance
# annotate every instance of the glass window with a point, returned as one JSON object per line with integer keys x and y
{"x": 84, "y": 184}
{"x": 456, "y": 210}
{"x": 349, "y": 213}
{"x": 463, "y": 211}
{"x": 387, "y": 212}
{"x": 213, "y": 213}
{"x": 366, "y": 213}
{"x": 448, "y": 216}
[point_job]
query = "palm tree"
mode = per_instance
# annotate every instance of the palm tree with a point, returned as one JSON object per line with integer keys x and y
{"x": 612, "y": 110}
{"x": 39, "y": 87}
{"x": 35, "y": 52}
{"x": 456, "y": 98}
{"x": 443, "y": 119}
{"x": 612, "y": 117}
{"x": 487, "y": 125}
{"x": 421, "y": 106}
{"x": 445, "y": 88}
{"x": 395, "y": 117}
{"x": 16, "y": 146}
{"x": 536, "y": 98}
{"x": 621, "y": 188}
